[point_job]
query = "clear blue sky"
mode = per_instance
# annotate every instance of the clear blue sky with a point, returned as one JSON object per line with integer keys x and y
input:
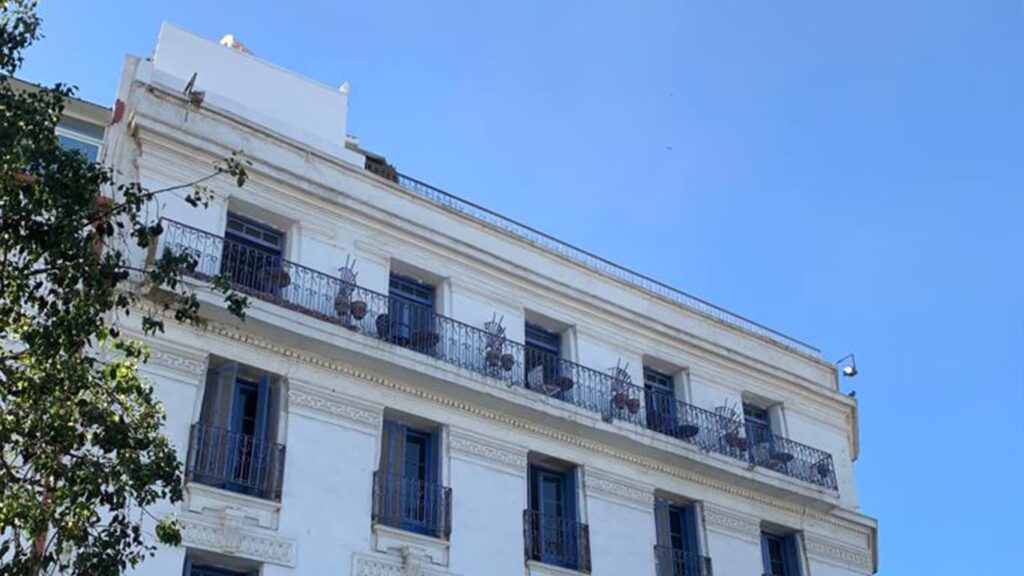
{"x": 851, "y": 173}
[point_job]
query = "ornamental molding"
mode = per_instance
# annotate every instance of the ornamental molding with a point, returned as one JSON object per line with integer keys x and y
{"x": 836, "y": 553}
{"x": 488, "y": 452}
{"x": 294, "y": 354}
{"x": 619, "y": 490}
{"x": 731, "y": 522}
{"x": 334, "y": 408}
{"x": 232, "y": 536}
{"x": 408, "y": 563}
{"x": 193, "y": 366}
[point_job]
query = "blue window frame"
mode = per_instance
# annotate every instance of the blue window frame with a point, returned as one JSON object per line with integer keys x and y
{"x": 660, "y": 400}
{"x": 411, "y": 498}
{"x": 411, "y": 311}
{"x": 553, "y": 499}
{"x": 780, "y": 555}
{"x": 252, "y": 255}
{"x": 542, "y": 356}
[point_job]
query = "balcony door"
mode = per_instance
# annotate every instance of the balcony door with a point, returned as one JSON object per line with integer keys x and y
{"x": 660, "y": 400}
{"x": 252, "y": 255}
{"x": 553, "y": 500}
{"x": 780, "y": 555}
{"x": 411, "y": 487}
{"x": 411, "y": 308}
{"x": 678, "y": 539}
{"x": 543, "y": 359}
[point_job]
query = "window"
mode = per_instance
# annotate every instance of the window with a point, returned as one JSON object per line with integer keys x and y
{"x": 759, "y": 429}
{"x": 233, "y": 446}
{"x": 407, "y": 488}
{"x": 411, "y": 314}
{"x": 215, "y": 567}
{"x": 542, "y": 357}
{"x": 83, "y": 137}
{"x": 678, "y": 548}
{"x": 252, "y": 255}
{"x": 779, "y": 554}
{"x": 660, "y": 400}
{"x": 554, "y": 534}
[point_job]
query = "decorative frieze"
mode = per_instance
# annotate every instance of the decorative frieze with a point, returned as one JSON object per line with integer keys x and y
{"x": 235, "y": 538}
{"x": 487, "y": 452}
{"x": 837, "y": 553}
{"x": 180, "y": 363}
{"x": 408, "y": 564}
{"x": 334, "y": 408}
{"x": 620, "y": 490}
{"x": 731, "y": 522}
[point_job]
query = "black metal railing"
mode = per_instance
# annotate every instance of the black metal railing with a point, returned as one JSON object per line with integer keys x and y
{"x": 238, "y": 462}
{"x": 412, "y": 504}
{"x": 557, "y": 541}
{"x": 792, "y": 458}
{"x": 419, "y": 328}
{"x": 675, "y": 562}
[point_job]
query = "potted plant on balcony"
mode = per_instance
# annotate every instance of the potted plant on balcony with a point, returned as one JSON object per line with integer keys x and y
{"x": 633, "y": 405}
{"x": 823, "y": 468}
{"x": 358, "y": 309}
{"x": 619, "y": 399}
{"x": 495, "y": 341}
{"x": 508, "y": 361}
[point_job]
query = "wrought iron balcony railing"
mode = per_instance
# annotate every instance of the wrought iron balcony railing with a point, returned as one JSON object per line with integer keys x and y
{"x": 412, "y": 504}
{"x": 674, "y": 562}
{"x": 791, "y": 458}
{"x": 557, "y": 541}
{"x": 237, "y": 462}
{"x": 271, "y": 278}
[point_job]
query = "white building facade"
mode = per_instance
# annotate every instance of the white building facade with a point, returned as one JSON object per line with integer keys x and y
{"x": 422, "y": 387}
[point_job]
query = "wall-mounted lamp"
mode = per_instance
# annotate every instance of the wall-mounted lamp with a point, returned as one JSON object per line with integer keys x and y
{"x": 849, "y": 368}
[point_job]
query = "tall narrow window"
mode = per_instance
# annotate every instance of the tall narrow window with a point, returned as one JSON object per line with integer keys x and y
{"x": 204, "y": 568}
{"x": 660, "y": 400}
{"x": 411, "y": 314}
{"x": 233, "y": 445}
{"x": 780, "y": 555}
{"x": 407, "y": 488}
{"x": 542, "y": 357}
{"x": 252, "y": 255}
{"x": 678, "y": 551}
{"x": 553, "y": 531}
{"x": 759, "y": 429}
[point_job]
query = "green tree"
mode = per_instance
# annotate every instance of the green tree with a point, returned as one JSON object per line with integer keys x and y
{"x": 82, "y": 449}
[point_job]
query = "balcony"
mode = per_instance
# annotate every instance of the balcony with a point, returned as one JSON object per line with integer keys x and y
{"x": 674, "y": 562}
{"x": 412, "y": 505}
{"x": 557, "y": 541}
{"x": 379, "y": 316}
{"x": 237, "y": 462}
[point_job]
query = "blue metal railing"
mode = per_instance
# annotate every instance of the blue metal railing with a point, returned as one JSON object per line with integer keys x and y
{"x": 675, "y": 562}
{"x": 412, "y": 504}
{"x": 558, "y": 541}
{"x": 415, "y": 327}
{"x": 237, "y": 462}
{"x": 595, "y": 262}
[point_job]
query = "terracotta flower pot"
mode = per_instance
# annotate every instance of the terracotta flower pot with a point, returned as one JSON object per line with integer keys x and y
{"x": 633, "y": 404}
{"x": 619, "y": 400}
{"x": 358, "y": 309}
{"x": 341, "y": 304}
{"x": 508, "y": 361}
{"x": 492, "y": 357}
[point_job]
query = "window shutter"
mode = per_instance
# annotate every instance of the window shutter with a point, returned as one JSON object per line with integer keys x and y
{"x": 765, "y": 559}
{"x": 692, "y": 535}
{"x": 791, "y": 555}
{"x": 186, "y": 569}
{"x": 220, "y": 383}
{"x": 570, "y": 495}
{"x": 662, "y": 526}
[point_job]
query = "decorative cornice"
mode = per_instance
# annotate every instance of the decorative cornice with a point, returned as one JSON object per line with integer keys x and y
{"x": 729, "y": 521}
{"x": 487, "y": 451}
{"x": 334, "y": 408}
{"x": 837, "y": 553}
{"x": 231, "y": 537}
{"x": 607, "y": 486}
{"x": 294, "y": 354}
{"x": 366, "y": 565}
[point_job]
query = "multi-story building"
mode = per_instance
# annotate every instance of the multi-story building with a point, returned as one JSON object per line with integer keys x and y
{"x": 422, "y": 386}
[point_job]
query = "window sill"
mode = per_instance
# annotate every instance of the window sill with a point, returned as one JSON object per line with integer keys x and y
{"x": 402, "y": 543}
